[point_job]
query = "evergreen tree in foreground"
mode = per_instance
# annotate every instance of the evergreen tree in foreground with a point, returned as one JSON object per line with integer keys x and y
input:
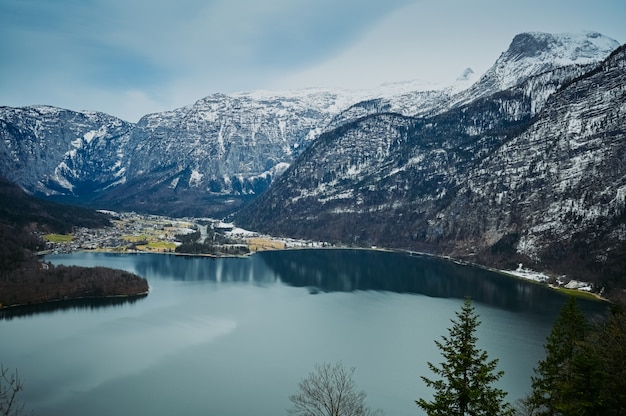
{"x": 609, "y": 343}
{"x": 466, "y": 375}
{"x": 557, "y": 385}
{"x": 584, "y": 371}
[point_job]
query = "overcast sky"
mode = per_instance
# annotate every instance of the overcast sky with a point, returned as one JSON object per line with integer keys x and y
{"x": 133, "y": 57}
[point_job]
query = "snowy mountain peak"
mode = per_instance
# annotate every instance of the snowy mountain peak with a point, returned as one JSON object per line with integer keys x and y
{"x": 535, "y": 52}
{"x": 575, "y": 47}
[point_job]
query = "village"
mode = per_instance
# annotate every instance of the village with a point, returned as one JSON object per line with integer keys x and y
{"x": 138, "y": 233}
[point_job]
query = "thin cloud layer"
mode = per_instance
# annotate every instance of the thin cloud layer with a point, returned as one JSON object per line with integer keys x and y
{"x": 132, "y": 57}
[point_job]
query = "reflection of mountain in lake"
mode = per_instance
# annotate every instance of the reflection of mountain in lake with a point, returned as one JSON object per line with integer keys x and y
{"x": 190, "y": 268}
{"x": 352, "y": 270}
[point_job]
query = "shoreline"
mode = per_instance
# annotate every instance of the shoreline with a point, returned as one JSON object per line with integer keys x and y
{"x": 70, "y": 299}
{"x": 527, "y": 275}
{"x": 159, "y": 231}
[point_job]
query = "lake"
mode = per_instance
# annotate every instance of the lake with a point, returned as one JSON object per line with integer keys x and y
{"x": 234, "y": 336}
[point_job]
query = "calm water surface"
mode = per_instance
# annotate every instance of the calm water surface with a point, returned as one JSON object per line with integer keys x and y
{"x": 234, "y": 336}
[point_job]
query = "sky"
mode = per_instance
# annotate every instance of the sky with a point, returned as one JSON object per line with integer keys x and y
{"x": 129, "y": 58}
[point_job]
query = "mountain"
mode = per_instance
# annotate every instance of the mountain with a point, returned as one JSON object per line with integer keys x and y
{"x": 213, "y": 157}
{"x": 49, "y": 150}
{"x": 222, "y": 145}
{"x": 534, "y": 53}
{"x": 205, "y": 159}
{"x": 530, "y": 174}
{"x": 528, "y": 55}
{"x": 208, "y": 158}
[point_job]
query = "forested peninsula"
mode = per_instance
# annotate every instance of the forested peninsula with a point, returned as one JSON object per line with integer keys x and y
{"x": 24, "y": 279}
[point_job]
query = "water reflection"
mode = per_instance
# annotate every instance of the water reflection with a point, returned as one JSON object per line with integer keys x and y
{"x": 224, "y": 325}
{"x": 187, "y": 268}
{"x": 174, "y": 267}
{"x": 352, "y": 270}
{"x": 344, "y": 271}
{"x": 67, "y": 305}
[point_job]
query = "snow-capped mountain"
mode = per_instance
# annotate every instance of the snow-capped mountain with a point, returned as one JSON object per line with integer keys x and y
{"x": 534, "y": 53}
{"x": 532, "y": 174}
{"x": 48, "y": 150}
{"x": 528, "y": 55}
{"x": 210, "y": 157}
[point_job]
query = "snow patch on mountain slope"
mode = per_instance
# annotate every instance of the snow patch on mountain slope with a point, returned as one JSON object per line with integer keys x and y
{"x": 195, "y": 179}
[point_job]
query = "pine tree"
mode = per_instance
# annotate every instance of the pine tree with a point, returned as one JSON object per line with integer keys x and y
{"x": 566, "y": 381}
{"x": 607, "y": 344}
{"x": 466, "y": 375}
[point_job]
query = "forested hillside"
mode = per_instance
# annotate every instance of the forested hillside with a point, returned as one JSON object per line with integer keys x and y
{"x": 26, "y": 280}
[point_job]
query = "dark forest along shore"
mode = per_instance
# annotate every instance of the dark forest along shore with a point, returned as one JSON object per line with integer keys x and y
{"x": 214, "y": 331}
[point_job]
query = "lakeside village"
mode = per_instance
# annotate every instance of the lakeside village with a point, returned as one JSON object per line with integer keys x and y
{"x": 136, "y": 233}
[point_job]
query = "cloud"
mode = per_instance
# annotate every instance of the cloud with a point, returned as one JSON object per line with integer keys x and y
{"x": 129, "y": 58}
{"x": 58, "y": 52}
{"x": 435, "y": 40}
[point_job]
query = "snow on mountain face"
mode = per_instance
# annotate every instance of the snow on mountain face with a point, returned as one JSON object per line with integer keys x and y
{"x": 528, "y": 55}
{"x": 467, "y": 75}
{"x": 571, "y": 161}
{"x": 531, "y": 54}
{"x": 530, "y": 174}
{"x": 231, "y": 142}
{"x": 54, "y": 151}
{"x": 233, "y": 146}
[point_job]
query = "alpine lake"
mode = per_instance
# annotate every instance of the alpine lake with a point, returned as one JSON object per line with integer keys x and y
{"x": 234, "y": 336}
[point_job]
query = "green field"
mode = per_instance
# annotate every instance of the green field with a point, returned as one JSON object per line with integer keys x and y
{"x": 161, "y": 245}
{"x": 58, "y": 238}
{"x": 578, "y": 293}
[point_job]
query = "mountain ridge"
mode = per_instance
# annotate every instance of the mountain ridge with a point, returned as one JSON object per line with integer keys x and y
{"x": 211, "y": 157}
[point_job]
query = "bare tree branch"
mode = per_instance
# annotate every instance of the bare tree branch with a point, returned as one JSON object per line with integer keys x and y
{"x": 10, "y": 386}
{"x": 330, "y": 391}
